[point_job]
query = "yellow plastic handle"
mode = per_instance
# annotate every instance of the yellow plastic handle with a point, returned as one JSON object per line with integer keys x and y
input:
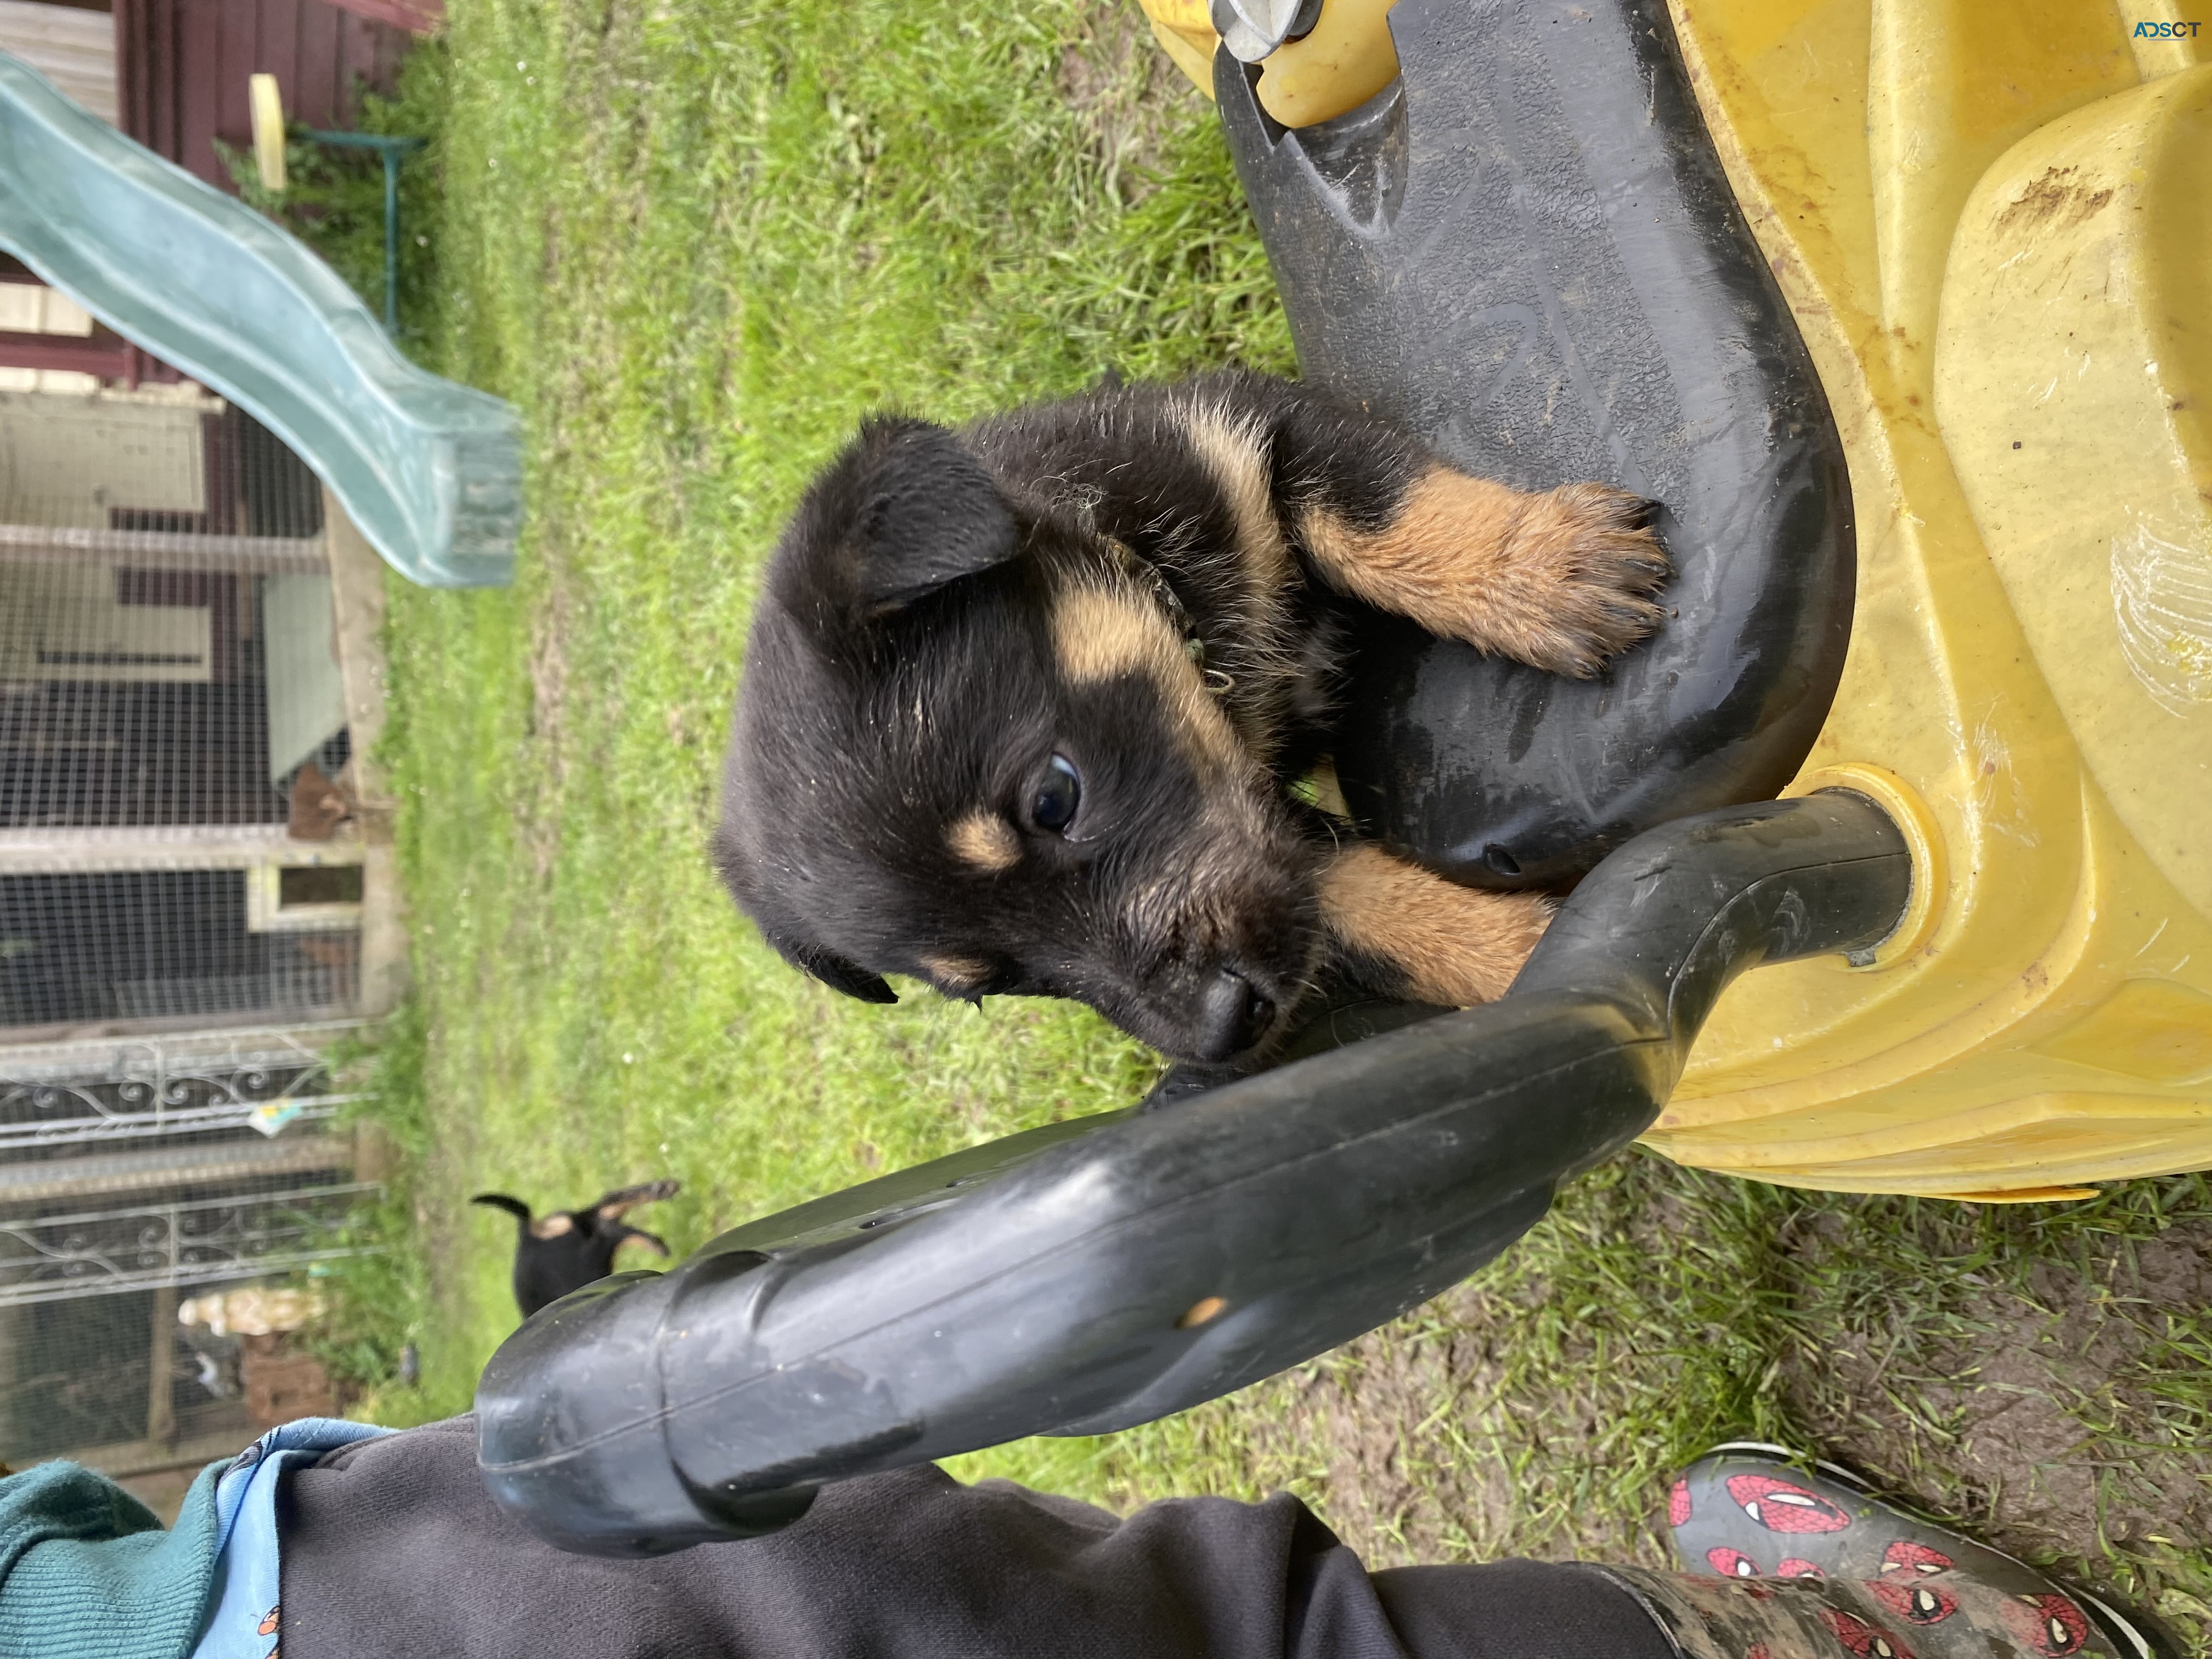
{"x": 267, "y": 103}
{"x": 1345, "y": 61}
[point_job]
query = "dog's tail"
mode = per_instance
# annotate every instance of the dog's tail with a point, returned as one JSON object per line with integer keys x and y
{"x": 513, "y": 1206}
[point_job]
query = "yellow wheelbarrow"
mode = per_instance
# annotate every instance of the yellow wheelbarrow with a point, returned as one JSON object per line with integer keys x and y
{"x": 1902, "y": 315}
{"x": 1995, "y": 236}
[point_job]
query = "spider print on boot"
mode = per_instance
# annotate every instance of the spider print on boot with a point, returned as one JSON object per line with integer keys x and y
{"x": 2050, "y": 1624}
{"x": 1731, "y": 1564}
{"x": 1859, "y": 1579}
{"x": 1782, "y": 1505}
{"x": 1862, "y": 1639}
{"x": 1713, "y": 1618}
{"x": 1922, "y": 1604}
{"x": 1906, "y": 1559}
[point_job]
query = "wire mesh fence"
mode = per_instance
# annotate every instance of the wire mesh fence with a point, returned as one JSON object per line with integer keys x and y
{"x": 156, "y": 946}
{"x": 76, "y": 1376}
{"x": 167, "y": 673}
{"x": 179, "y": 909}
{"x": 161, "y": 582}
{"x": 265, "y": 1225}
{"x": 141, "y": 1373}
{"x": 172, "y": 460}
{"x": 93, "y": 1351}
{"x": 134, "y": 1180}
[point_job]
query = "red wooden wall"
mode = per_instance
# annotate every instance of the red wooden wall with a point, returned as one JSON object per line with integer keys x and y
{"x": 180, "y": 73}
{"x": 181, "y": 67}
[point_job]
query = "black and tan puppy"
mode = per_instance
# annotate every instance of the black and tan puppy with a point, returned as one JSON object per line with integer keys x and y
{"x": 1022, "y": 703}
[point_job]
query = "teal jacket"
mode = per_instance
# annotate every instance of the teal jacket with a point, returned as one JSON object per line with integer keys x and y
{"x": 87, "y": 1572}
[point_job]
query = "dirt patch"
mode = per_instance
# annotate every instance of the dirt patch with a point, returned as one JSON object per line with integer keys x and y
{"x": 2037, "y": 1375}
{"x": 1535, "y": 1410}
{"x": 2046, "y": 1414}
{"x": 538, "y": 827}
{"x": 2053, "y": 201}
{"x": 1129, "y": 95}
{"x": 1424, "y": 1455}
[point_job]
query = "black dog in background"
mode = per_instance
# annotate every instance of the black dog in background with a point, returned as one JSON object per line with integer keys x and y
{"x": 568, "y": 1250}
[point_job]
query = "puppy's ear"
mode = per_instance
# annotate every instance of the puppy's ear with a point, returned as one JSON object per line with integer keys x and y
{"x": 767, "y": 897}
{"x": 834, "y": 971}
{"x": 905, "y": 510}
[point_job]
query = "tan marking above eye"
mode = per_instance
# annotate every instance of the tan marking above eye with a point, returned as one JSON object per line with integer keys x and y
{"x": 956, "y": 973}
{"x": 1102, "y": 633}
{"x": 1235, "y": 455}
{"x": 551, "y": 1226}
{"x": 984, "y": 841}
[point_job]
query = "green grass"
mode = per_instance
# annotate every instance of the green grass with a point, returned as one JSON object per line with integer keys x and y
{"x": 692, "y": 258}
{"x": 692, "y": 242}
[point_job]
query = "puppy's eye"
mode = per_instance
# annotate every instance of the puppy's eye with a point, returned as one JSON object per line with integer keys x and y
{"x": 1058, "y": 793}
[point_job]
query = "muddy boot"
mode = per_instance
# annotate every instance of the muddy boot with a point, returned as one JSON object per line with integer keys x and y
{"x": 1786, "y": 1560}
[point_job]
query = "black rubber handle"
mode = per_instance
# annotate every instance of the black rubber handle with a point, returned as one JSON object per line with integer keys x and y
{"x": 1526, "y": 251}
{"x": 1100, "y": 1274}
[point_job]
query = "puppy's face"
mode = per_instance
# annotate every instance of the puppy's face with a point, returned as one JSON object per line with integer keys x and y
{"x": 969, "y": 749}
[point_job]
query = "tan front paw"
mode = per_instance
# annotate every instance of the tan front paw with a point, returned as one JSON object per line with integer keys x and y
{"x": 1582, "y": 565}
{"x": 1443, "y": 944}
{"x": 1489, "y": 939}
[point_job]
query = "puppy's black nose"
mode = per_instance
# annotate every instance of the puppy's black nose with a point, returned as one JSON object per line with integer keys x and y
{"x": 1233, "y": 1016}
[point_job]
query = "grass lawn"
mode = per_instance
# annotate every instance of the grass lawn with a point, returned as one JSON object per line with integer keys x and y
{"x": 693, "y": 240}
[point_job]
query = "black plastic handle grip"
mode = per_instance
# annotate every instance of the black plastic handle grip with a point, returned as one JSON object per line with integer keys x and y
{"x": 1527, "y": 251}
{"x": 1096, "y": 1274}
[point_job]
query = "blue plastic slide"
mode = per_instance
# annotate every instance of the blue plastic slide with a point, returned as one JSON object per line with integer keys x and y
{"x": 431, "y": 471}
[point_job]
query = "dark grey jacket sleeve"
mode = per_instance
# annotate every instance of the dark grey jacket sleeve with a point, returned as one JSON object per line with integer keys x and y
{"x": 391, "y": 1548}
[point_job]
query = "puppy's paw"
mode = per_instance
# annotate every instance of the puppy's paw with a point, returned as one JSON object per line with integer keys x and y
{"x": 1496, "y": 933}
{"x": 1434, "y": 940}
{"x": 1585, "y": 565}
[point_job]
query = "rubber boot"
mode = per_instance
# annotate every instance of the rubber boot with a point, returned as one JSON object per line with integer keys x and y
{"x": 1788, "y": 1560}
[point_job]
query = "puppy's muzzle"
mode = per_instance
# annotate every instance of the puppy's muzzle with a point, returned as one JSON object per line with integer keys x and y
{"x": 1234, "y": 1014}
